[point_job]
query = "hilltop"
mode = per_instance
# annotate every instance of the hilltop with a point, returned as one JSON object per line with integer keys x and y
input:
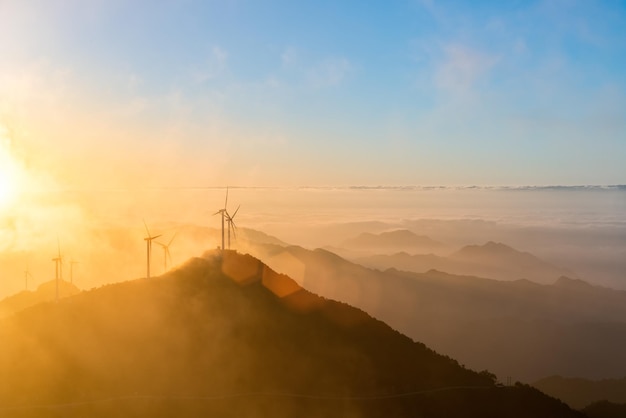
{"x": 227, "y": 336}
{"x": 45, "y": 292}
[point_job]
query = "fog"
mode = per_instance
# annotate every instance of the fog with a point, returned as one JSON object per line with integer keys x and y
{"x": 582, "y": 229}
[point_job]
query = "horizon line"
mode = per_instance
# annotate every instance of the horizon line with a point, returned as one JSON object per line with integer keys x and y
{"x": 415, "y": 187}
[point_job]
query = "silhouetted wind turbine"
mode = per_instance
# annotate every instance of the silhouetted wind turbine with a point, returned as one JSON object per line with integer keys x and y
{"x": 231, "y": 222}
{"x": 166, "y": 250}
{"x": 58, "y": 268}
{"x": 224, "y": 214}
{"x": 26, "y": 274}
{"x": 148, "y": 240}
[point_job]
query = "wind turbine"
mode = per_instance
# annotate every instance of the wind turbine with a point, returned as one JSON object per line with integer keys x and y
{"x": 148, "y": 240}
{"x": 224, "y": 214}
{"x": 58, "y": 268}
{"x": 166, "y": 250}
{"x": 231, "y": 222}
{"x": 228, "y": 218}
{"x": 26, "y": 274}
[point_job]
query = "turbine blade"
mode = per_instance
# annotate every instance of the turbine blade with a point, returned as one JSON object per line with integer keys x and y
{"x": 234, "y": 214}
{"x": 146, "y": 225}
{"x": 226, "y": 201}
{"x": 172, "y": 239}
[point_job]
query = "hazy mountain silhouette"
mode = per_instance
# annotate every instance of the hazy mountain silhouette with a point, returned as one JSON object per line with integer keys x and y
{"x": 513, "y": 328}
{"x": 580, "y": 393}
{"x": 201, "y": 234}
{"x": 501, "y": 261}
{"x": 227, "y": 336}
{"x": 45, "y": 292}
{"x": 401, "y": 239}
{"x": 253, "y": 236}
{"x": 605, "y": 409}
{"x": 491, "y": 260}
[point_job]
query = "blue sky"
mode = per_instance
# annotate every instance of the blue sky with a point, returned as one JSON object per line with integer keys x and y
{"x": 317, "y": 93}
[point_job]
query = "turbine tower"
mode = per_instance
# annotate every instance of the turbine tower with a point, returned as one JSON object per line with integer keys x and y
{"x": 148, "y": 240}
{"x": 58, "y": 269}
{"x": 166, "y": 250}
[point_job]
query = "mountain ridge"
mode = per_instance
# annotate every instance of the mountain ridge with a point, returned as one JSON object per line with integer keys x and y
{"x": 188, "y": 342}
{"x": 491, "y": 260}
{"x": 512, "y": 328}
{"x": 399, "y": 238}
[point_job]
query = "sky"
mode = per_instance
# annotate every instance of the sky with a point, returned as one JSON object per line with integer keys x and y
{"x": 116, "y": 112}
{"x": 278, "y": 93}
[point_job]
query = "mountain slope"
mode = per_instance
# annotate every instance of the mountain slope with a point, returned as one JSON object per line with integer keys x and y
{"x": 513, "y": 328}
{"x": 45, "y": 292}
{"x": 229, "y": 337}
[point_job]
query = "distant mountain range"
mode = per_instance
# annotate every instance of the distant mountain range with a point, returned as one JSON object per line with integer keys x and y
{"x": 392, "y": 240}
{"x": 514, "y": 328}
{"x": 579, "y": 393}
{"x": 491, "y": 260}
{"x": 224, "y": 335}
{"x": 46, "y": 292}
{"x": 605, "y": 409}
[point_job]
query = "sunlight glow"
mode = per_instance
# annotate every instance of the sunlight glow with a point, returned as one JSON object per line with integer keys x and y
{"x": 9, "y": 173}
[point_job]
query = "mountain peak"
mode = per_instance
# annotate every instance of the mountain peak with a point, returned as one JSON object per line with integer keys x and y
{"x": 496, "y": 245}
{"x": 570, "y": 283}
{"x": 489, "y": 248}
{"x": 399, "y": 233}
